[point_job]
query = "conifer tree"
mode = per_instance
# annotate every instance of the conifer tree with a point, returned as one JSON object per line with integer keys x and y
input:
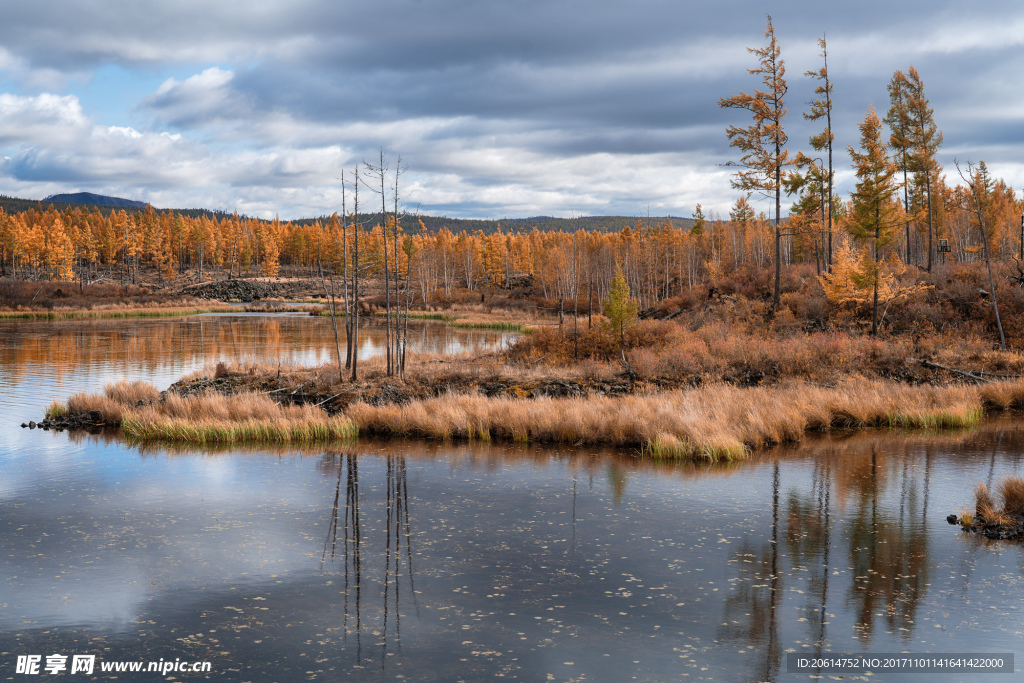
{"x": 925, "y": 140}
{"x": 763, "y": 142}
{"x": 900, "y": 140}
{"x": 874, "y": 213}
{"x": 821, "y": 108}
{"x": 620, "y": 308}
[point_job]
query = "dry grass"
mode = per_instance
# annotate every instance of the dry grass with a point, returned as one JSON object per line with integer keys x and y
{"x": 211, "y": 418}
{"x": 713, "y": 422}
{"x": 716, "y": 421}
{"x": 982, "y": 498}
{"x": 110, "y": 410}
{"x": 131, "y": 393}
{"x": 1012, "y": 491}
{"x": 278, "y": 429}
{"x": 673, "y": 351}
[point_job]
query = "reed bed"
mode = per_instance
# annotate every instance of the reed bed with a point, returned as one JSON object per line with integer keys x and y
{"x": 714, "y": 422}
{"x": 250, "y": 417}
{"x": 711, "y": 423}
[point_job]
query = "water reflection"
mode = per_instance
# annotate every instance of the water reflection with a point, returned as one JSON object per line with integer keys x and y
{"x": 351, "y": 542}
{"x": 439, "y": 561}
{"x": 41, "y": 361}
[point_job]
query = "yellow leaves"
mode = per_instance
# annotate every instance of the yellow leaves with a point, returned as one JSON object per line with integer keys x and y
{"x": 852, "y": 279}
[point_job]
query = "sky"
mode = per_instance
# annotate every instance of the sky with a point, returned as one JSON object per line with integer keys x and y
{"x": 497, "y": 108}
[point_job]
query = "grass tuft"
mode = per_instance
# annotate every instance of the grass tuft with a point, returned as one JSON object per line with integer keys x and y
{"x": 56, "y": 410}
{"x": 982, "y": 499}
{"x": 966, "y": 516}
{"x": 1011, "y": 489}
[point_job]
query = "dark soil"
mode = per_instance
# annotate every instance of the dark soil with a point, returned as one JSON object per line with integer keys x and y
{"x": 385, "y": 391}
{"x": 233, "y": 290}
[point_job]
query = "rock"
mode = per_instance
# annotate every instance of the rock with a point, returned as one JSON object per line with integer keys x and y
{"x": 232, "y": 290}
{"x": 31, "y": 425}
{"x": 952, "y": 519}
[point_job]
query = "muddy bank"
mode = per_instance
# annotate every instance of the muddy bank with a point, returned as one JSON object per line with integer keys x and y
{"x": 387, "y": 391}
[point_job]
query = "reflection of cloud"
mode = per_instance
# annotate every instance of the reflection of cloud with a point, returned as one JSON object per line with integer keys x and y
{"x": 191, "y": 524}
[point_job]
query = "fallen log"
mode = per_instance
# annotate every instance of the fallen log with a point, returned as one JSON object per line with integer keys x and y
{"x": 977, "y": 377}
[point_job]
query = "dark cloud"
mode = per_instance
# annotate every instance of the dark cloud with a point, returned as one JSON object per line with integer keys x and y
{"x": 511, "y": 95}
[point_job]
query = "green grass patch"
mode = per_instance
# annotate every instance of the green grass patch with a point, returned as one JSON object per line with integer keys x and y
{"x": 249, "y": 431}
{"x": 505, "y": 327}
{"x": 939, "y": 419}
{"x": 56, "y": 410}
{"x": 685, "y": 450}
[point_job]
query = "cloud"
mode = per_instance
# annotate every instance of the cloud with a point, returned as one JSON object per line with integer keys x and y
{"x": 507, "y": 108}
{"x": 201, "y": 100}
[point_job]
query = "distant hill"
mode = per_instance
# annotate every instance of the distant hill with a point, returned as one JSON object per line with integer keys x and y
{"x": 95, "y": 200}
{"x": 542, "y": 223}
{"x": 14, "y": 205}
{"x": 64, "y": 202}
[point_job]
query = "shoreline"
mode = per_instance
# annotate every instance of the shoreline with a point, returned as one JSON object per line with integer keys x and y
{"x": 714, "y": 421}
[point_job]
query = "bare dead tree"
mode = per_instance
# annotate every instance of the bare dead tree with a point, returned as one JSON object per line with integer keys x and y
{"x": 345, "y": 276}
{"x": 355, "y": 280}
{"x": 399, "y": 170}
{"x": 972, "y": 183}
{"x": 333, "y": 310}
{"x": 379, "y": 173}
{"x": 1019, "y": 278}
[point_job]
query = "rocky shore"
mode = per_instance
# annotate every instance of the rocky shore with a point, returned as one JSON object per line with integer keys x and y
{"x": 1002, "y": 530}
{"x": 90, "y": 420}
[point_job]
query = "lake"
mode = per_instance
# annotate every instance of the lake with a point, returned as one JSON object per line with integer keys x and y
{"x": 451, "y": 561}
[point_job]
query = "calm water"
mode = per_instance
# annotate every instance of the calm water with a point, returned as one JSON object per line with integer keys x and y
{"x": 440, "y": 562}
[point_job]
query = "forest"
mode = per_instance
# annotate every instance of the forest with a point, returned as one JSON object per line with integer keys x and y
{"x": 660, "y": 261}
{"x": 883, "y": 304}
{"x": 910, "y": 246}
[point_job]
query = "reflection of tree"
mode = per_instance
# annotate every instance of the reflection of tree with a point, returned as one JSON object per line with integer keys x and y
{"x": 885, "y": 537}
{"x": 809, "y": 543}
{"x": 751, "y": 609}
{"x": 888, "y": 556}
{"x": 398, "y": 529}
{"x": 351, "y": 545}
{"x": 397, "y": 544}
{"x": 617, "y": 480}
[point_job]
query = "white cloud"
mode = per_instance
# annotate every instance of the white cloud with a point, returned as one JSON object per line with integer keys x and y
{"x": 552, "y": 106}
{"x": 41, "y": 119}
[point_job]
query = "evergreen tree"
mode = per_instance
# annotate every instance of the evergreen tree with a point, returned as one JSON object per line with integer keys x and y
{"x": 821, "y": 108}
{"x": 763, "y": 142}
{"x": 874, "y": 213}
{"x": 620, "y": 308}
